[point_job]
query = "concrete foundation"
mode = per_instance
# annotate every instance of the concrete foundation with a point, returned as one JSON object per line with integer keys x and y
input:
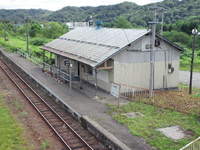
{"x": 174, "y": 132}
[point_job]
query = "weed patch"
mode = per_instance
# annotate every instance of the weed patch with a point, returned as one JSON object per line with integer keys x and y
{"x": 154, "y": 118}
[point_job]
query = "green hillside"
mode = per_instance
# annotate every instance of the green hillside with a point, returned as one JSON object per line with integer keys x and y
{"x": 139, "y": 15}
{"x": 19, "y": 15}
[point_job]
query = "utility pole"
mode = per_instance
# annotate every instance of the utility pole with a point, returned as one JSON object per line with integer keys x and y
{"x": 27, "y": 37}
{"x": 162, "y": 11}
{"x": 162, "y": 24}
{"x": 152, "y": 53}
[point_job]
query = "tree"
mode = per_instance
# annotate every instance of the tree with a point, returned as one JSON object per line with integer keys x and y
{"x": 1, "y": 29}
{"x": 122, "y": 22}
{"x": 21, "y": 29}
{"x": 5, "y": 29}
{"x": 54, "y": 29}
{"x": 35, "y": 28}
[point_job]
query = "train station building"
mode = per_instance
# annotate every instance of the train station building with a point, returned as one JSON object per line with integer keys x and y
{"x": 101, "y": 56}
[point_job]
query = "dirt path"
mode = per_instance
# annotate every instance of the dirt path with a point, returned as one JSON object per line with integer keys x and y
{"x": 36, "y": 132}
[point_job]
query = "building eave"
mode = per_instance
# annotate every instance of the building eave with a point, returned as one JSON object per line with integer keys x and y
{"x": 169, "y": 42}
{"x": 71, "y": 56}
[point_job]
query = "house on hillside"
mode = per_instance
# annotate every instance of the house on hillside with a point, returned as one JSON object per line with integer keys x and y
{"x": 73, "y": 25}
{"x": 101, "y": 56}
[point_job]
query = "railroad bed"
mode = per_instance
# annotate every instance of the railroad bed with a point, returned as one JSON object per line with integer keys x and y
{"x": 68, "y": 130}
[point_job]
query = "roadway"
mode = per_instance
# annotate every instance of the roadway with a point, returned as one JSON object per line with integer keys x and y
{"x": 184, "y": 77}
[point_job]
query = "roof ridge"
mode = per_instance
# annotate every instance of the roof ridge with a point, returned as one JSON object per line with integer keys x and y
{"x": 94, "y": 27}
{"x": 92, "y": 43}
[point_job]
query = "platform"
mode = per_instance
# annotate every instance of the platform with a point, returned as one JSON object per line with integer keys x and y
{"x": 83, "y": 102}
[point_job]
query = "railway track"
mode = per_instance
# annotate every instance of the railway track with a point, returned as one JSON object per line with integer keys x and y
{"x": 68, "y": 130}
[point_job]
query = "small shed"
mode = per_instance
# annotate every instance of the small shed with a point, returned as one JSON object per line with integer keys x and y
{"x": 101, "y": 56}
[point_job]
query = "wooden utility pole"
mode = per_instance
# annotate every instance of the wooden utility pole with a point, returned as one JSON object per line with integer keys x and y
{"x": 162, "y": 24}
{"x": 162, "y": 11}
{"x": 27, "y": 37}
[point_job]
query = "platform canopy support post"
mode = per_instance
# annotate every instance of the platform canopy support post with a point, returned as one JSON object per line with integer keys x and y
{"x": 58, "y": 61}
{"x": 70, "y": 74}
{"x": 50, "y": 62}
{"x": 96, "y": 82}
{"x": 80, "y": 70}
{"x": 50, "y": 58}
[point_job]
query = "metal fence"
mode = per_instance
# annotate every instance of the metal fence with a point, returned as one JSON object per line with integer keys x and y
{"x": 194, "y": 145}
{"x": 131, "y": 93}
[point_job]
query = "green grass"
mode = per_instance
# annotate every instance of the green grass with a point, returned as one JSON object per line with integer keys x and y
{"x": 154, "y": 118}
{"x": 19, "y": 43}
{"x": 10, "y": 132}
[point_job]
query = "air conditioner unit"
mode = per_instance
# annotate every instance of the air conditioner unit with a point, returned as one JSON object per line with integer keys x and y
{"x": 157, "y": 43}
{"x": 170, "y": 68}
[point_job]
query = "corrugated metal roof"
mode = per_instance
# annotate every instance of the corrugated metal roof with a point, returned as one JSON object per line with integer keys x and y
{"x": 94, "y": 45}
{"x": 107, "y": 36}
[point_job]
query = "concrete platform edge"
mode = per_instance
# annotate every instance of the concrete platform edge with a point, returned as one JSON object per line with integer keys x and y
{"x": 94, "y": 126}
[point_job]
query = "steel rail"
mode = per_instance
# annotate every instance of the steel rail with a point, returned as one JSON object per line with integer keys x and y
{"x": 51, "y": 109}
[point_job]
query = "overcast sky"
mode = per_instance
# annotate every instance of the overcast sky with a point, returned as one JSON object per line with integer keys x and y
{"x": 58, "y": 4}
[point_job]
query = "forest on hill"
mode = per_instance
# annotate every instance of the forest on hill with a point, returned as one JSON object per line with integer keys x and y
{"x": 136, "y": 14}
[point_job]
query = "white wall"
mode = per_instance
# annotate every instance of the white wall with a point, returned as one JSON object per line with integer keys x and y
{"x": 132, "y": 67}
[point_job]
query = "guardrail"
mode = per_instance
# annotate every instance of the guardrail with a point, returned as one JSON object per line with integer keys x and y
{"x": 21, "y": 53}
{"x": 24, "y": 54}
{"x": 53, "y": 70}
{"x": 194, "y": 145}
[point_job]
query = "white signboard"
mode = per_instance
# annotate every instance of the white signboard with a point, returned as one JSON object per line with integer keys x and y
{"x": 115, "y": 90}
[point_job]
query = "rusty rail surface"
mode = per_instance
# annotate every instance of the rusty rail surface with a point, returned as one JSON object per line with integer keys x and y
{"x": 63, "y": 126}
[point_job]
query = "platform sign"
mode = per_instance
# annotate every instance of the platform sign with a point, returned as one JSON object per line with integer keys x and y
{"x": 66, "y": 62}
{"x": 115, "y": 90}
